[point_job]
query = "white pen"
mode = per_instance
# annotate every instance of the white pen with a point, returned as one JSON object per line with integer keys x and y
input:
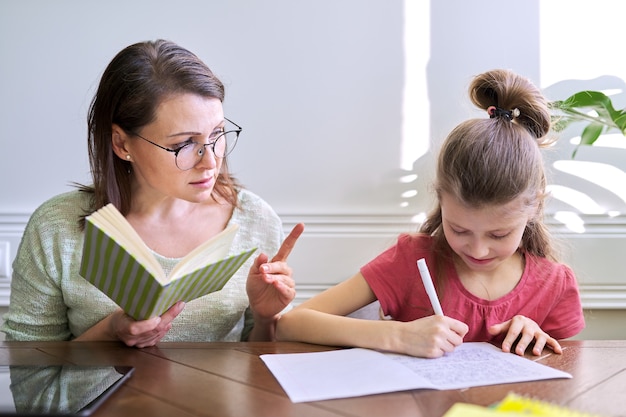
{"x": 430, "y": 287}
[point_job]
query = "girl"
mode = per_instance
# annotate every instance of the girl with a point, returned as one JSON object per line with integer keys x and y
{"x": 486, "y": 244}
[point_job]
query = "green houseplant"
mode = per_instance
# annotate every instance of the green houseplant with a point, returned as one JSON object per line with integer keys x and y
{"x": 594, "y": 108}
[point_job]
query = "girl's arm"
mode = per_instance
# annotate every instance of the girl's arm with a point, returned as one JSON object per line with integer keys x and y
{"x": 322, "y": 320}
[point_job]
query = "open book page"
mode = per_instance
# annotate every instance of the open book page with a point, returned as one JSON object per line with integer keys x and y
{"x": 475, "y": 364}
{"x": 340, "y": 374}
{"x": 211, "y": 251}
{"x": 355, "y": 372}
{"x": 110, "y": 220}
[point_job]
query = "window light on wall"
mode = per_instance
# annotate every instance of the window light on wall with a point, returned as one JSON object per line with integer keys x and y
{"x": 578, "y": 52}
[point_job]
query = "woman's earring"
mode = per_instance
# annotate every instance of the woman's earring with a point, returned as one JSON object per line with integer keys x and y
{"x": 128, "y": 157}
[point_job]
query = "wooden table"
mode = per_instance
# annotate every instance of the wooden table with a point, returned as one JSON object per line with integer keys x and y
{"x": 229, "y": 379}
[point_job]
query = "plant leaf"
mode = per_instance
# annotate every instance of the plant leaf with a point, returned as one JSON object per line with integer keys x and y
{"x": 591, "y": 133}
{"x": 592, "y": 107}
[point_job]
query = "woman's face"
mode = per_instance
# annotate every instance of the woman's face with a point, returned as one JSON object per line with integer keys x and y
{"x": 180, "y": 119}
{"x": 484, "y": 238}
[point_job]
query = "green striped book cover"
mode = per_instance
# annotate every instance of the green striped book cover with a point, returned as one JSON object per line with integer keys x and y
{"x": 117, "y": 262}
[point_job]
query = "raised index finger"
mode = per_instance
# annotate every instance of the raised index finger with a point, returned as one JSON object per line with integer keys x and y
{"x": 289, "y": 243}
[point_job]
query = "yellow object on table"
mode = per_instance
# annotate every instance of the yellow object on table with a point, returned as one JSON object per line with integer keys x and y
{"x": 515, "y": 405}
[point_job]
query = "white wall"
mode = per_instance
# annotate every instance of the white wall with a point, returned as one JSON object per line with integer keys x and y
{"x": 321, "y": 89}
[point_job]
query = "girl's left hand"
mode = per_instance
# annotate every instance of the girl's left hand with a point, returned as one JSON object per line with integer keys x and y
{"x": 270, "y": 286}
{"x": 527, "y": 331}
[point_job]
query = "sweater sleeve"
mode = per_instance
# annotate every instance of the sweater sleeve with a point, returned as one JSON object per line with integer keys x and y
{"x": 37, "y": 310}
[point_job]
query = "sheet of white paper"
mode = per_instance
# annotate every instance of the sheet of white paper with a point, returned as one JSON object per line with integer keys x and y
{"x": 356, "y": 372}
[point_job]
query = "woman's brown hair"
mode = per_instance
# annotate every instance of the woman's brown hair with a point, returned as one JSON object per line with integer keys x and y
{"x": 131, "y": 88}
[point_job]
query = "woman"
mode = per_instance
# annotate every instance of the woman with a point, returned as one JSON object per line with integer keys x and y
{"x": 158, "y": 139}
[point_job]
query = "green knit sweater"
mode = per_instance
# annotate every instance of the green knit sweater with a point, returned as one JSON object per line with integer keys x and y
{"x": 51, "y": 301}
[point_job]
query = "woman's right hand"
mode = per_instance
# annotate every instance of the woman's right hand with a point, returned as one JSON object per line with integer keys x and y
{"x": 431, "y": 337}
{"x": 143, "y": 333}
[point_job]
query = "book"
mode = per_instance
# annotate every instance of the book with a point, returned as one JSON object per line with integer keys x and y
{"x": 514, "y": 405}
{"x": 117, "y": 261}
{"x": 355, "y": 372}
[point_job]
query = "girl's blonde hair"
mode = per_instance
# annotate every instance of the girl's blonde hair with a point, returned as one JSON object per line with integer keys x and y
{"x": 497, "y": 159}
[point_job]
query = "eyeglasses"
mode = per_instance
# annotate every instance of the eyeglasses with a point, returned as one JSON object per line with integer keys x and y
{"x": 190, "y": 154}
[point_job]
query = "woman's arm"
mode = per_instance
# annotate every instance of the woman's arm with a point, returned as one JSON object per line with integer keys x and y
{"x": 271, "y": 288}
{"x": 143, "y": 333}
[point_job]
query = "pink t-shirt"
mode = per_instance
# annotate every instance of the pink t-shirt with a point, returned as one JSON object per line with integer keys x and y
{"x": 547, "y": 293}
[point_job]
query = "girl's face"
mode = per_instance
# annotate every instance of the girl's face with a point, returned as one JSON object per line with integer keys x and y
{"x": 484, "y": 238}
{"x": 180, "y": 119}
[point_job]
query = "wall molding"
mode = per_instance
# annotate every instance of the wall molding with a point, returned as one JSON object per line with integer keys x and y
{"x": 593, "y": 297}
{"x": 13, "y": 221}
{"x": 340, "y": 242}
{"x": 5, "y": 292}
{"x": 597, "y": 225}
{"x": 603, "y": 297}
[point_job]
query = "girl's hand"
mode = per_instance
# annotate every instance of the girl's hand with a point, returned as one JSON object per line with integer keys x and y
{"x": 143, "y": 333}
{"x": 527, "y": 331}
{"x": 432, "y": 337}
{"x": 270, "y": 286}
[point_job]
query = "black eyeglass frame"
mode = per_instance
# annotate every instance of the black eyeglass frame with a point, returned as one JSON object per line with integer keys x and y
{"x": 212, "y": 144}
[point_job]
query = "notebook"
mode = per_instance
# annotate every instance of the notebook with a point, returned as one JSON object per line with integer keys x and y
{"x": 515, "y": 405}
{"x": 57, "y": 390}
